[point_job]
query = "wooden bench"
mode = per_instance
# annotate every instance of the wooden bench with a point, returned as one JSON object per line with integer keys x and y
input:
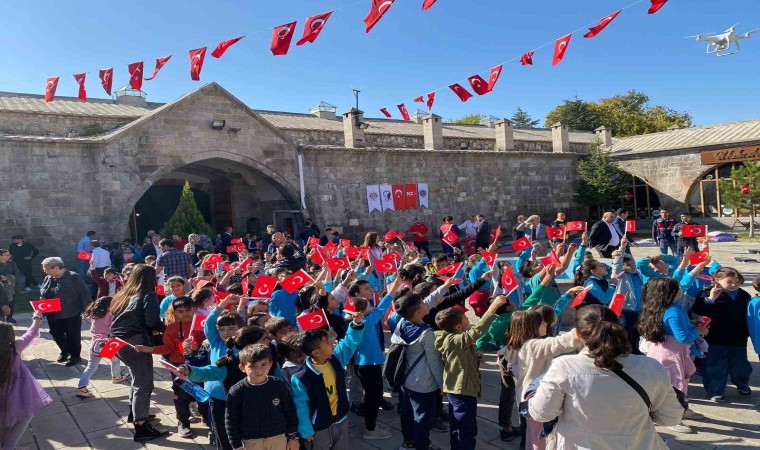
{"x": 745, "y": 225}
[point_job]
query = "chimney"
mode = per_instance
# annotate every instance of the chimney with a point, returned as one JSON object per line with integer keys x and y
{"x": 131, "y": 97}
{"x": 505, "y": 135}
{"x": 560, "y": 138}
{"x": 324, "y": 110}
{"x": 432, "y": 131}
{"x": 353, "y": 128}
{"x": 605, "y": 135}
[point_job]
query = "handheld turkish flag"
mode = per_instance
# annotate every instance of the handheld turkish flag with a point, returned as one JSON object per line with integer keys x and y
{"x": 490, "y": 257}
{"x": 354, "y": 252}
{"x": 527, "y": 58}
{"x": 560, "y": 47}
{"x": 80, "y": 77}
{"x": 231, "y": 249}
{"x": 699, "y": 257}
{"x": 385, "y": 112}
{"x": 401, "y": 235}
{"x": 84, "y": 255}
{"x": 508, "y": 280}
{"x": 430, "y": 100}
{"x": 656, "y": 5}
{"x": 135, "y": 75}
{"x": 112, "y": 347}
{"x": 349, "y": 307}
{"x": 389, "y": 236}
{"x": 478, "y": 84}
{"x": 596, "y": 29}
{"x": 456, "y": 280}
{"x": 411, "y": 196}
{"x": 493, "y": 76}
{"x": 345, "y": 243}
{"x": 550, "y": 259}
{"x": 159, "y": 64}
{"x": 245, "y": 264}
{"x": 106, "y": 79}
{"x": 379, "y": 8}
{"x": 630, "y": 226}
{"x": 173, "y": 369}
{"x": 296, "y": 281}
{"x": 336, "y": 264}
{"x": 555, "y": 232}
{"x": 199, "y": 322}
{"x": 320, "y": 256}
{"x": 704, "y": 321}
{"x": 49, "y": 305}
{"x": 317, "y": 319}
{"x": 461, "y": 92}
{"x": 215, "y": 258}
{"x": 394, "y": 255}
{"x": 496, "y": 235}
{"x": 220, "y": 295}
{"x": 236, "y": 241}
{"x": 196, "y": 63}
{"x": 427, "y": 4}
{"x": 223, "y": 46}
{"x": 331, "y": 248}
{"x": 578, "y": 225}
{"x": 521, "y": 244}
{"x": 410, "y": 246}
{"x": 399, "y": 197}
{"x": 693, "y": 230}
{"x": 385, "y": 265}
{"x": 312, "y": 242}
{"x": 160, "y": 289}
{"x": 404, "y": 112}
{"x": 313, "y": 27}
{"x": 226, "y": 267}
{"x": 208, "y": 265}
{"x": 579, "y": 297}
{"x": 616, "y": 305}
{"x": 50, "y": 86}
{"x": 281, "y": 37}
{"x": 451, "y": 238}
{"x": 451, "y": 269}
{"x": 264, "y": 286}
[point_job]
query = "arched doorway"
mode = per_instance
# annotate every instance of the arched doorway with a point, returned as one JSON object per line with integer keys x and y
{"x": 704, "y": 196}
{"x": 645, "y": 199}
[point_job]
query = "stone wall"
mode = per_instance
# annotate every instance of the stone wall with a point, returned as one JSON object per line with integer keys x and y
{"x": 26, "y": 124}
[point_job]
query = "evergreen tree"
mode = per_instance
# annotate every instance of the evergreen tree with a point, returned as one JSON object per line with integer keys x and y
{"x": 601, "y": 184}
{"x": 470, "y": 119}
{"x": 731, "y": 194}
{"x": 521, "y": 119}
{"x": 187, "y": 218}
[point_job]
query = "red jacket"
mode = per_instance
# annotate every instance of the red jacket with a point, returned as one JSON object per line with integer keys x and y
{"x": 419, "y": 228}
{"x": 103, "y": 285}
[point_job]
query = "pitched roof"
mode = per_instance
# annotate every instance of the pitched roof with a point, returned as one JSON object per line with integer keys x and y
{"x": 70, "y": 106}
{"x": 721, "y": 134}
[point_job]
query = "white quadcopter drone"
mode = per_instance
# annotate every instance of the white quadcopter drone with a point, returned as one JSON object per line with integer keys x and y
{"x": 720, "y": 43}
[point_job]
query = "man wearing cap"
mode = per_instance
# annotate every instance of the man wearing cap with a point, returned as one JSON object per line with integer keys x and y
{"x": 684, "y": 242}
{"x": 662, "y": 232}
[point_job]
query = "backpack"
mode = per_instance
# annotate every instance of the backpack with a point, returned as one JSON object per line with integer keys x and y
{"x": 395, "y": 368}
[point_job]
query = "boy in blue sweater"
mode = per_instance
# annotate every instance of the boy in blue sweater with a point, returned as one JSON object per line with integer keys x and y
{"x": 753, "y": 316}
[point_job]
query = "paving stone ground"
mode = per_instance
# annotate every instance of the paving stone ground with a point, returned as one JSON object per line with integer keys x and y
{"x": 100, "y": 422}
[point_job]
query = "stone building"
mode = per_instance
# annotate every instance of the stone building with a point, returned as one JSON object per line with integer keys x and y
{"x": 116, "y": 166}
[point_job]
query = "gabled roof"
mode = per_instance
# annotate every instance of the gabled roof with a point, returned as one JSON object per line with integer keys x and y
{"x": 70, "y": 106}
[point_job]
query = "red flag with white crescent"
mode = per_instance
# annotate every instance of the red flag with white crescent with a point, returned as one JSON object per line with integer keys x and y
{"x": 264, "y": 286}
{"x": 596, "y": 29}
{"x": 404, "y": 112}
{"x": 656, "y": 5}
{"x": 199, "y": 322}
{"x": 521, "y": 244}
{"x": 223, "y": 46}
{"x": 527, "y": 58}
{"x": 412, "y": 196}
{"x": 159, "y": 64}
{"x": 379, "y": 8}
{"x": 555, "y": 232}
{"x": 331, "y": 248}
{"x": 489, "y": 257}
{"x": 80, "y": 77}
{"x": 385, "y": 112}
{"x": 389, "y": 236}
{"x": 385, "y": 265}
{"x": 50, "y": 86}
{"x": 45, "y": 306}
{"x": 616, "y": 305}
{"x": 508, "y": 280}
{"x": 493, "y": 76}
{"x": 336, "y": 264}
{"x": 399, "y": 197}
{"x": 578, "y": 225}
{"x": 451, "y": 269}
{"x": 112, "y": 347}
{"x": 693, "y": 230}
{"x": 313, "y": 27}
{"x": 84, "y": 255}
{"x": 281, "y": 37}
{"x": 135, "y": 75}
{"x": 430, "y": 100}
{"x": 106, "y": 79}
{"x": 630, "y": 226}
{"x": 461, "y": 92}
{"x": 699, "y": 257}
{"x": 419, "y": 99}
{"x": 354, "y": 252}
{"x": 317, "y": 319}
{"x": 427, "y": 4}
{"x": 451, "y": 238}
{"x": 580, "y": 296}
{"x": 560, "y": 47}
{"x": 296, "y": 281}
{"x": 196, "y": 63}
{"x": 478, "y": 84}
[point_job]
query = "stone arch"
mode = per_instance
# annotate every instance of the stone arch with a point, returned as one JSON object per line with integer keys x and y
{"x": 703, "y": 196}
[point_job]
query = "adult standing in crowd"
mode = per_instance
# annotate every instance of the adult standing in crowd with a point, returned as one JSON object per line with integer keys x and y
{"x": 448, "y": 226}
{"x": 101, "y": 258}
{"x": 604, "y": 235}
{"x": 66, "y": 324}
{"x": 8, "y": 276}
{"x": 621, "y": 215}
{"x": 84, "y": 246}
{"x": 420, "y": 236}
{"x": 470, "y": 227}
{"x": 266, "y": 237}
{"x": 662, "y": 232}
{"x": 135, "y": 312}
{"x": 517, "y": 232}
{"x": 23, "y": 253}
{"x": 684, "y": 242}
{"x": 173, "y": 262}
{"x": 536, "y": 232}
{"x": 483, "y": 238}
{"x": 152, "y": 248}
{"x": 227, "y": 238}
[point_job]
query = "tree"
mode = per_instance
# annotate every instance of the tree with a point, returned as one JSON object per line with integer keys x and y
{"x": 187, "y": 218}
{"x": 746, "y": 176}
{"x": 576, "y": 114}
{"x": 469, "y": 119}
{"x": 521, "y": 119}
{"x": 601, "y": 183}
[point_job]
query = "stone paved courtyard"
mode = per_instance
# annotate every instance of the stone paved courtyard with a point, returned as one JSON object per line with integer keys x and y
{"x": 100, "y": 422}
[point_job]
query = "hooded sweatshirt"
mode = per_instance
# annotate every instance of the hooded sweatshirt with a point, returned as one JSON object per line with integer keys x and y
{"x": 427, "y": 374}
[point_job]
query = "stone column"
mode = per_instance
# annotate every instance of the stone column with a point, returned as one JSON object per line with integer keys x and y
{"x": 432, "y": 130}
{"x": 505, "y": 135}
{"x": 605, "y": 135}
{"x": 560, "y": 138}
{"x": 353, "y": 133}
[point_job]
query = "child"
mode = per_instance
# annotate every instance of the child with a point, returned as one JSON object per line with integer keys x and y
{"x": 272, "y": 423}
{"x": 461, "y": 377}
{"x": 753, "y": 316}
{"x": 283, "y": 304}
{"x": 319, "y": 388}
{"x": 279, "y": 328}
{"x": 726, "y": 304}
{"x": 100, "y": 326}
{"x": 594, "y": 275}
{"x": 108, "y": 284}
{"x": 21, "y": 396}
{"x": 177, "y": 288}
{"x": 294, "y": 357}
{"x": 666, "y": 325}
{"x": 630, "y": 283}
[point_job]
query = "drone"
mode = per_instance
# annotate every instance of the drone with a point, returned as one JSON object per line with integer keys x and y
{"x": 720, "y": 43}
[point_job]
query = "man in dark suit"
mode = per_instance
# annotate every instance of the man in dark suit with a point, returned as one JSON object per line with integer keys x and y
{"x": 227, "y": 242}
{"x": 152, "y": 248}
{"x": 604, "y": 235}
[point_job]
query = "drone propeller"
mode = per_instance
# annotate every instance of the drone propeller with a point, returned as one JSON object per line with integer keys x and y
{"x": 732, "y": 27}
{"x": 753, "y": 31}
{"x": 700, "y": 35}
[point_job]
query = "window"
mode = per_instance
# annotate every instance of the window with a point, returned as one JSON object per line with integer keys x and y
{"x": 704, "y": 199}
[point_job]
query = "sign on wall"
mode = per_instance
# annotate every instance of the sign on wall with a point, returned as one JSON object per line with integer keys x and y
{"x": 739, "y": 154}
{"x": 397, "y": 197}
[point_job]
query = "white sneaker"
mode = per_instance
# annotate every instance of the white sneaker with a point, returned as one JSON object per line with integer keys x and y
{"x": 681, "y": 428}
{"x": 690, "y": 414}
{"x": 377, "y": 434}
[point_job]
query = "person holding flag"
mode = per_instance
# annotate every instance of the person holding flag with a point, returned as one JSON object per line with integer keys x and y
{"x": 683, "y": 241}
{"x": 448, "y": 226}
{"x": 559, "y": 222}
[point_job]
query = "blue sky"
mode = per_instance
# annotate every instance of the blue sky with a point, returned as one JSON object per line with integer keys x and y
{"x": 408, "y": 53}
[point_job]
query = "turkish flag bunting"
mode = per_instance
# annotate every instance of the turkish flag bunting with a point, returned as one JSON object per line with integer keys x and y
{"x": 296, "y": 281}
{"x": 215, "y": 258}
{"x": 226, "y": 267}
{"x": 385, "y": 265}
{"x": 578, "y": 225}
{"x": 345, "y": 243}
{"x": 596, "y": 29}
{"x": 196, "y": 62}
{"x": 264, "y": 286}
{"x": 521, "y": 244}
{"x": 404, "y": 112}
{"x": 419, "y": 99}
{"x": 451, "y": 238}
{"x": 231, "y": 249}
{"x": 479, "y": 85}
{"x": 527, "y": 58}
{"x": 80, "y": 77}
{"x": 461, "y": 92}
{"x": 159, "y": 64}
{"x": 560, "y": 47}
{"x": 509, "y": 281}
{"x": 493, "y": 77}
{"x": 379, "y": 8}
{"x": 208, "y": 265}
{"x": 312, "y": 321}
{"x": 313, "y": 27}
{"x": 399, "y": 197}
{"x": 199, "y": 322}
{"x": 496, "y": 234}
{"x": 354, "y": 252}
{"x": 616, "y": 305}
{"x": 430, "y": 100}
{"x": 331, "y": 248}
{"x": 411, "y": 196}
{"x": 281, "y": 37}
{"x": 84, "y": 255}
{"x": 160, "y": 289}
{"x": 223, "y": 46}
{"x": 389, "y": 236}
{"x": 656, "y": 5}
{"x": 451, "y": 269}
{"x": 112, "y": 347}
{"x": 385, "y": 112}
{"x": 427, "y": 4}
{"x": 394, "y": 255}
{"x": 135, "y": 75}
{"x": 580, "y": 296}
{"x": 555, "y": 232}
{"x": 50, "y": 86}
{"x": 699, "y": 257}
{"x": 693, "y": 230}
{"x": 312, "y": 242}
{"x": 49, "y": 305}
{"x": 490, "y": 257}
{"x": 320, "y": 256}
{"x": 349, "y": 307}
{"x": 106, "y": 79}
{"x": 336, "y": 264}
{"x": 630, "y": 226}
{"x": 236, "y": 241}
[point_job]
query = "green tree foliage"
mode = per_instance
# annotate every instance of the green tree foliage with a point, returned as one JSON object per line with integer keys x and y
{"x": 469, "y": 119}
{"x": 187, "y": 218}
{"x": 521, "y": 119}
{"x": 628, "y": 115}
{"x": 731, "y": 195}
{"x": 601, "y": 184}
